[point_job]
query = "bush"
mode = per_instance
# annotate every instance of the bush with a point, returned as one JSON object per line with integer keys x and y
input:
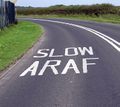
{"x": 97, "y": 9}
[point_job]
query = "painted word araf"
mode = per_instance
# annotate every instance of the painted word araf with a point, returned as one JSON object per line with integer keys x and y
{"x": 70, "y": 66}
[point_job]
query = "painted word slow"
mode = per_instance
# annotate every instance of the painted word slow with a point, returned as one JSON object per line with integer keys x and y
{"x": 71, "y": 51}
{"x": 72, "y": 64}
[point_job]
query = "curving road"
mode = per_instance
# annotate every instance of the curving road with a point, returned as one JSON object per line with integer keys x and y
{"x": 75, "y": 64}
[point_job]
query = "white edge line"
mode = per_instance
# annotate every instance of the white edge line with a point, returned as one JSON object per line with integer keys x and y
{"x": 114, "y": 41}
{"x": 108, "y": 39}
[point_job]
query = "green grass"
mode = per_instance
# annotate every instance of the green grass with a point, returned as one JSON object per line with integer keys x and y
{"x": 109, "y": 18}
{"x": 16, "y": 40}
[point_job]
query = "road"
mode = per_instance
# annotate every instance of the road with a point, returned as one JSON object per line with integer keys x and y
{"x": 74, "y": 64}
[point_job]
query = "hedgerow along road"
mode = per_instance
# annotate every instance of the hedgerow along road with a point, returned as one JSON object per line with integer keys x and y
{"x": 74, "y": 64}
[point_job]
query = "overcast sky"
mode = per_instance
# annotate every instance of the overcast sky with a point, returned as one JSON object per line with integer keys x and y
{"x": 46, "y": 3}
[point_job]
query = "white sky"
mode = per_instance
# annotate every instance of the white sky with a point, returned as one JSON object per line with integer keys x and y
{"x": 46, "y": 3}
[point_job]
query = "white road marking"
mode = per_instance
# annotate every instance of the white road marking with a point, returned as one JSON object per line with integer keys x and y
{"x": 71, "y": 65}
{"x": 85, "y": 64}
{"x": 52, "y": 54}
{"x": 114, "y": 43}
{"x": 69, "y": 52}
{"x": 111, "y": 39}
{"x": 51, "y": 65}
{"x": 75, "y": 51}
{"x": 32, "y": 69}
{"x": 84, "y": 50}
{"x": 42, "y": 52}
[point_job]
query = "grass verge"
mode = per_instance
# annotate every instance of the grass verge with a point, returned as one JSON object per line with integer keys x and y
{"x": 16, "y": 40}
{"x": 108, "y": 18}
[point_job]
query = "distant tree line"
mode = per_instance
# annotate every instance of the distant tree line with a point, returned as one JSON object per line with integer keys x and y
{"x": 97, "y": 9}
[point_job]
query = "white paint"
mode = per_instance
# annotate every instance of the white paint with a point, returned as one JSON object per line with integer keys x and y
{"x": 52, "y": 54}
{"x": 52, "y": 66}
{"x": 32, "y": 69}
{"x": 75, "y": 51}
{"x": 86, "y": 63}
{"x": 41, "y": 53}
{"x": 108, "y": 39}
{"x": 114, "y": 41}
{"x": 71, "y": 65}
{"x": 70, "y": 51}
{"x": 85, "y": 49}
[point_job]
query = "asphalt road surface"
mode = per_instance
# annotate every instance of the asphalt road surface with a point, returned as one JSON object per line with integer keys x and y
{"x": 74, "y": 64}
